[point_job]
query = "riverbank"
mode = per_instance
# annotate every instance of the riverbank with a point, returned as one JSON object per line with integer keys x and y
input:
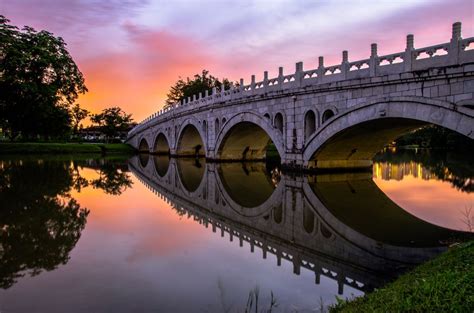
{"x": 443, "y": 284}
{"x": 65, "y": 148}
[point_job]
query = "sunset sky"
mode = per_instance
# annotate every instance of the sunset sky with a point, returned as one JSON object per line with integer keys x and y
{"x": 131, "y": 52}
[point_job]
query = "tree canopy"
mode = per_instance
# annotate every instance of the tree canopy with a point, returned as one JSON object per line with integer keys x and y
{"x": 183, "y": 89}
{"x": 112, "y": 120}
{"x": 39, "y": 83}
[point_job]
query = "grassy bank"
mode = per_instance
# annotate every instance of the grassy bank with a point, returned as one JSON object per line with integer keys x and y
{"x": 64, "y": 148}
{"x": 444, "y": 284}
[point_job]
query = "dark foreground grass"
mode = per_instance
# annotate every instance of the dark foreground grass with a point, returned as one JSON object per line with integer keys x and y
{"x": 444, "y": 284}
{"x": 64, "y": 148}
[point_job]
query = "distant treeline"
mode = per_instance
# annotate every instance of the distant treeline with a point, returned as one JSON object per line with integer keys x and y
{"x": 436, "y": 137}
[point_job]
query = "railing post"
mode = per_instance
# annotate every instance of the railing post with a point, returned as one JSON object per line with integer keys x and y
{"x": 345, "y": 64}
{"x": 265, "y": 81}
{"x": 374, "y": 60}
{"x": 280, "y": 77}
{"x": 409, "y": 58}
{"x": 298, "y": 73}
{"x": 321, "y": 68}
{"x": 455, "y": 44}
{"x": 252, "y": 83}
{"x": 241, "y": 87}
{"x": 214, "y": 92}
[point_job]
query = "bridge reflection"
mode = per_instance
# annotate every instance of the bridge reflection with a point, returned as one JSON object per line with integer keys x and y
{"x": 341, "y": 226}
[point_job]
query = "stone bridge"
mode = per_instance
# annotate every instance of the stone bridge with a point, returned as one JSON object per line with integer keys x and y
{"x": 301, "y": 220}
{"x": 330, "y": 117}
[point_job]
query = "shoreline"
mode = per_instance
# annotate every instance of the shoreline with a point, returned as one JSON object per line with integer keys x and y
{"x": 443, "y": 284}
{"x": 64, "y": 148}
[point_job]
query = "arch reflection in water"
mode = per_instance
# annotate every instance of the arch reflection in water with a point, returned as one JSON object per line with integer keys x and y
{"x": 300, "y": 220}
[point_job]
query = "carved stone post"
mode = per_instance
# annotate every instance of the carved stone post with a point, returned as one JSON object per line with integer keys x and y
{"x": 345, "y": 64}
{"x": 374, "y": 60}
{"x": 298, "y": 73}
{"x": 321, "y": 69}
{"x": 455, "y": 44}
{"x": 409, "y": 55}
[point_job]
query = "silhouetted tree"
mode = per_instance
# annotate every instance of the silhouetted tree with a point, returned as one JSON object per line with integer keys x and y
{"x": 78, "y": 114}
{"x": 40, "y": 223}
{"x": 39, "y": 82}
{"x": 112, "y": 120}
{"x": 183, "y": 89}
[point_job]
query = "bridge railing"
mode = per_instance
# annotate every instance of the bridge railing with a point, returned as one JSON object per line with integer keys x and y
{"x": 457, "y": 51}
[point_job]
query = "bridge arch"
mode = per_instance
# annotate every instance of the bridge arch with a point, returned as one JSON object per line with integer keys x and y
{"x": 191, "y": 139}
{"x": 278, "y": 122}
{"x": 143, "y": 146}
{"x": 161, "y": 145}
{"x": 246, "y": 136}
{"x": 310, "y": 124}
{"x": 352, "y": 138}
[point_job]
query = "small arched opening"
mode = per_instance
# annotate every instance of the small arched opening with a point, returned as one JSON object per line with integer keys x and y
{"x": 309, "y": 124}
{"x": 143, "y": 147}
{"x": 278, "y": 122}
{"x": 327, "y": 115}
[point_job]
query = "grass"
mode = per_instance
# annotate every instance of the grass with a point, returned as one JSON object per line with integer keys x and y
{"x": 444, "y": 284}
{"x": 64, "y": 148}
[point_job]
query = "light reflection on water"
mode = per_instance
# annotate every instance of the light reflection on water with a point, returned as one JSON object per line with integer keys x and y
{"x": 183, "y": 235}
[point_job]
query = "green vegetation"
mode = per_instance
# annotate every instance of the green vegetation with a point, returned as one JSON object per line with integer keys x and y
{"x": 112, "y": 120}
{"x": 444, "y": 284}
{"x": 45, "y": 148}
{"x": 183, "y": 89}
{"x": 39, "y": 84}
{"x": 437, "y": 137}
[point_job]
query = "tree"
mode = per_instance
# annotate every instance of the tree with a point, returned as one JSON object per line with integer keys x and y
{"x": 78, "y": 114}
{"x": 183, "y": 89}
{"x": 39, "y": 82}
{"x": 112, "y": 120}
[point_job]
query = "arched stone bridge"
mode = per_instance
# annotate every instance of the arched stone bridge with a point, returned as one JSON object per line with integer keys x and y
{"x": 329, "y": 117}
{"x": 300, "y": 220}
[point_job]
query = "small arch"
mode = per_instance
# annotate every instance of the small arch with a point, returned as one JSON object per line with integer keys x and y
{"x": 278, "y": 214}
{"x": 143, "y": 147}
{"x": 309, "y": 124}
{"x": 278, "y": 122}
{"x": 216, "y": 126}
{"x": 143, "y": 158}
{"x": 266, "y": 115}
{"x": 223, "y": 121}
{"x": 308, "y": 219}
{"x": 327, "y": 115}
{"x": 161, "y": 145}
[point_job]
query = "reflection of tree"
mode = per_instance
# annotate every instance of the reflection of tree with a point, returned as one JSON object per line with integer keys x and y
{"x": 113, "y": 177}
{"x": 112, "y": 180}
{"x": 455, "y": 168}
{"x": 40, "y": 223}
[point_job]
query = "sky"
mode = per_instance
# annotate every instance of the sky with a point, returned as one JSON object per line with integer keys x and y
{"x": 132, "y": 51}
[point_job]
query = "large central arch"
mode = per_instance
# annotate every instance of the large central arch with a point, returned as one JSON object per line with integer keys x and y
{"x": 351, "y": 139}
{"x": 190, "y": 141}
{"x": 246, "y": 136}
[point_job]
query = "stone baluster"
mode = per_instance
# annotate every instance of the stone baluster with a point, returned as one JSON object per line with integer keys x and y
{"x": 374, "y": 60}
{"x": 409, "y": 55}
{"x": 189, "y": 100}
{"x": 345, "y": 64}
{"x": 280, "y": 77}
{"x": 241, "y": 86}
{"x": 252, "y": 83}
{"x": 321, "y": 69}
{"x": 194, "y": 97}
{"x": 265, "y": 81}
{"x": 455, "y": 44}
{"x": 214, "y": 92}
{"x": 206, "y": 94}
{"x": 298, "y": 73}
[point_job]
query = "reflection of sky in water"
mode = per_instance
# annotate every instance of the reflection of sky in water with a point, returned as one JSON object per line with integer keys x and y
{"x": 137, "y": 254}
{"x": 421, "y": 193}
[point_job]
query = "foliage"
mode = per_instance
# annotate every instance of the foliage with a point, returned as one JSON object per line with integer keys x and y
{"x": 77, "y": 115}
{"x": 65, "y": 148}
{"x": 112, "y": 120}
{"x": 433, "y": 136}
{"x": 39, "y": 82}
{"x": 183, "y": 89}
{"x": 440, "y": 285}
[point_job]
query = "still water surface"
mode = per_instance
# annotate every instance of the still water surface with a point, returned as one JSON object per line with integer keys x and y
{"x": 152, "y": 234}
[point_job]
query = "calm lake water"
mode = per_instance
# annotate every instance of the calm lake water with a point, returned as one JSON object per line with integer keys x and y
{"x": 152, "y": 234}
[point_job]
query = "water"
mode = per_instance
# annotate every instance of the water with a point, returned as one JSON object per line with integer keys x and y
{"x": 152, "y": 234}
